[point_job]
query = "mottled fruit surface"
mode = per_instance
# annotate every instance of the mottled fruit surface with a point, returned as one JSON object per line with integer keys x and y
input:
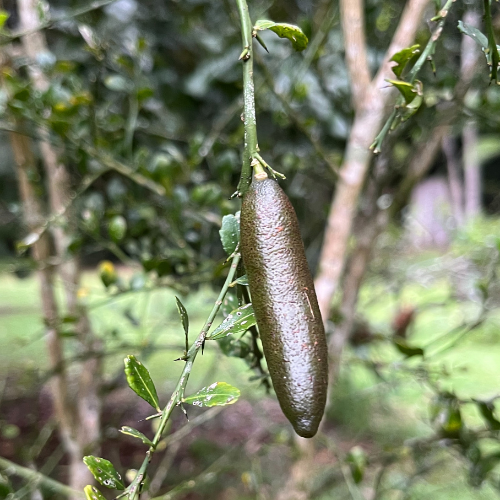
{"x": 285, "y": 304}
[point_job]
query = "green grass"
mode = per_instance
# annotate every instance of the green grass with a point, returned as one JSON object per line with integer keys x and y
{"x": 154, "y": 330}
{"x": 368, "y": 410}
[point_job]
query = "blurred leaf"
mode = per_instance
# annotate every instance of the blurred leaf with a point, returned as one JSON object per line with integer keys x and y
{"x": 480, "y": 470}
{"x": 405, "y": 349}
{"x": 138, "y": 281}
{"x": 135, "y": 433}
{"x": 357, "y": 460}
{"x": 216, "y": 394}
{"x": 239, "y": 321}
{"x": 402, "y": 58}
{"x": 3, "y": 18}
{"x": 230, "y": 232}
{"x": 104, "y": 472}
{"x": 117, "y": 83}
{"x": 92, "y": 493}
{"x": 445, "y": 411}
{"x": 140, "y": 381}
{"x": 487, "y": 409}
{"x": 235, "y": 348}
{"x": 283, "y": 30}
{"x": 117, "y": 228}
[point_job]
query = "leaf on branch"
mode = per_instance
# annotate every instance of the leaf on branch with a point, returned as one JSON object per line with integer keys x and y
{"x": 135, "y": 433}
{"x": 492, "y": 51}
{"x": 402, "y": 58}
{"x": 407, "y": 90}
{"x": 216, "y": 394}
{"x": 239, "y": 321}
{"x": 477, "y": 35}
{"x": 92, "y": 493}
{"x": 184, "y": 316}
{"x": 407, "y": 350}
{"x": 283, "y": 30}
{"x": 229, "y": 304}
{"x": 104, "y": 472}
{"x": 139, "y": 380}
{"x": 230, "y": 232}
{"x": 411, "y": 108}
{"x": 242, "y": 280}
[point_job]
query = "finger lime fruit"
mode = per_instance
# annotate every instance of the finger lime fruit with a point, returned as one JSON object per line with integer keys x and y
{"x": 285, "y": 304}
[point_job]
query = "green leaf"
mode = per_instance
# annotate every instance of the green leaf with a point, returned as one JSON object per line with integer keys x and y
{"x": 239, "y": 321}
{"x": 405, "y": 349}
{"x": 236, "y": 348}
{"x": 229, "y": 304}
{"x": 242, "y": 280}
{"x": 4, "y": 15}
{"x": 477, "y": 35}
{"x": 230, "y": 232}
{"x": 402, "y": 58}
{"x": 92, "y": 493}
{"x": 411, "y": 108}
{"x": 104, "y": 472}
{"x": 140, "y": 381}
{"x": 217, "y": 394}
{"x": 184, "y": 316}
{"x": 135, "y": 433}
{"x": 407, "y": 90}
{"x": 283, "y": 30}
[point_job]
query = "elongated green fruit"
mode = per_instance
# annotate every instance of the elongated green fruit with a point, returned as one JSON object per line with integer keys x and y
{"x": 285, "y": 304}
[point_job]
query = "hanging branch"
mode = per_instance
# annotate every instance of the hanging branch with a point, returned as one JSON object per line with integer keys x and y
{"x": 412, "y": 75}
{"x": 249, "y": 119}
{"x": 140, "y": 381}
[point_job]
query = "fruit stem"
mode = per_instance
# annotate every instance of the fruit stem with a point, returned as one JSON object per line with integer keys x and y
{"x": 249, "y": 119}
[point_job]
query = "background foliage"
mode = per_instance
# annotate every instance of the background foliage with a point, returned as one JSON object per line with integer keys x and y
{"x": 144, "y": 107}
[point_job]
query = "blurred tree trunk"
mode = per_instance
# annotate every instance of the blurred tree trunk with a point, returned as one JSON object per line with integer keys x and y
{"x": 86, "y": 428}
{"x": 371, "y": 221}
{"x": 472, "y": 169}
{"x": 367, "y": 123}
{"x": 455, "y": 184}
{"x": 33, "y": 218}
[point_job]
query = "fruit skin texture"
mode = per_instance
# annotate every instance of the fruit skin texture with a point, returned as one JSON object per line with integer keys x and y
{"x": 285, "y": 304}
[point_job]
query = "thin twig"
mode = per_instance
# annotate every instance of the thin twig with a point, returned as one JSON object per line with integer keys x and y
{"x": 11, "y": 468}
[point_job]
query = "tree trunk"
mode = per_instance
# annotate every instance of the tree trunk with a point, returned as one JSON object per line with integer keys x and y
{"x": 472, "y": 169}
{"x": 86, "y": 429}
{"x": 367, "y": 123}
{"x": 33, "y": 218}
{"x": 352, "y": 14}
